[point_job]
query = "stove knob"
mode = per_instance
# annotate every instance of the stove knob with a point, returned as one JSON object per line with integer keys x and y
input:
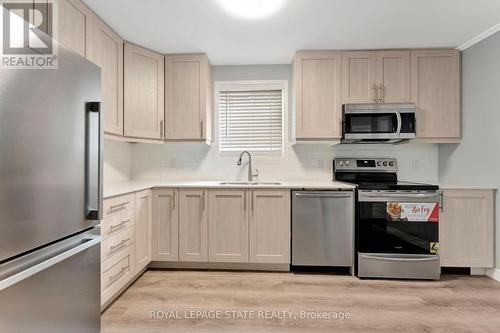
{"x": 379, "y": 163}
{"x": 341, "y": 163}
{"x": 385, "y": 163}
{"x": 347, "y": 163}
{"x": 391, "y": 163}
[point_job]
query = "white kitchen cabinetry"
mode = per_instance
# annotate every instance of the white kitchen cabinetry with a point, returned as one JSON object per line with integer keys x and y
{"x": 317, "y": 79}
{"x": 228, "y": 225}
{"x": 108, "y": 54}
{"x": 376, "y": 76}
{"x": 466, "y": 228}
{"x": 165, "y": 225}
{"x": 75, "y": 27}
{"x": 188, "y": 97}
{"x": 143, "y": 93}
{"x": 193, "y": 225}
{"x": 270, "y": 226}
{"x": 435, "y": 90}
{"x": 143, "y": 225}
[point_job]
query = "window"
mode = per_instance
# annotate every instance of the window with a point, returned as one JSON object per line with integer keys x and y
{"x": 251, "y": 117}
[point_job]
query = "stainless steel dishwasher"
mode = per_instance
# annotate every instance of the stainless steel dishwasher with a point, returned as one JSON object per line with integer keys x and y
{"x": 323, "y": 228}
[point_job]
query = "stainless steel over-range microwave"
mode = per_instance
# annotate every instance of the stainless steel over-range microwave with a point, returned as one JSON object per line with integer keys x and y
{"x": 378, "y": 123}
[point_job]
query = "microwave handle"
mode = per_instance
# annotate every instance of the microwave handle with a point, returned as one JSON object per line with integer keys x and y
{"x": 398, "y": 116}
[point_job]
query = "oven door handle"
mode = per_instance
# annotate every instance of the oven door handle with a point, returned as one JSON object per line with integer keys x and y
{"x": 408, "y": 259}
{"x": 380, "y": 197}
{"x": 400, "y": 121}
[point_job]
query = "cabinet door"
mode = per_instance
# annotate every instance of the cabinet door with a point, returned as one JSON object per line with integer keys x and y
{"x": 435, "y": 89}
{"x": 270, "y": 226}
{"x": 360, "y": 77}
{"x": 466, "y": 237}
{"x": 108, "y": 54}
{"x": 75, "y": 27}
{"x": 228, "y": 226}
{"x": 143, "y": 93}
{"x": 165, "y": 225}
{"x": 188, "y": 96}
{"x": 318, "y": 95}
{"x": 393, "y": 76}
{"x": 142, "y": 229}
{"x": 193, "y": 225}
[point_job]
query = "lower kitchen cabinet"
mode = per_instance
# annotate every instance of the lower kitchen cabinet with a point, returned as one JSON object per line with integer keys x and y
{"x": 270, "y": 226}
{"x": 228, "y": 226}
{"x": 165, "y": 225}
{"x": 193, "y": 225}
{"x": 466, "y": 225}
{"x": 116, "y": 272}
{"x": 142, "y": 207}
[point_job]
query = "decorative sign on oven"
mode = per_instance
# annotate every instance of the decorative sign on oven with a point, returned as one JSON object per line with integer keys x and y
{"x": 412, "y": 212}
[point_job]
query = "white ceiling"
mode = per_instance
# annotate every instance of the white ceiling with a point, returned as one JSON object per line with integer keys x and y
{"x": 186, "y": 26}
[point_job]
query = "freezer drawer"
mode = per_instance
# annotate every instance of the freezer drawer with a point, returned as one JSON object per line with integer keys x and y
{"x": 399, "y": 266}
{"x": 55, "y": 290}
{"x": 322, "y": 228}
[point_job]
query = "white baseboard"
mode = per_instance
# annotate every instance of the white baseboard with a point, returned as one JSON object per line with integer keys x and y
{"x": 493, "y": 273}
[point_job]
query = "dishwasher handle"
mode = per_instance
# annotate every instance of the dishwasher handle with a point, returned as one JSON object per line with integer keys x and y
{"x": 340, "y": 194}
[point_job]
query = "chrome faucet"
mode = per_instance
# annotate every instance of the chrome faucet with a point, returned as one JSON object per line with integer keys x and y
{"x": 250, "y": 172}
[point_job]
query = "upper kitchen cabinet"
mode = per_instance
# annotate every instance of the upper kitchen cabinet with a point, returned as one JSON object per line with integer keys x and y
{"x": 317, "y": 77}
{"x": 108, "y": 54}
{"x": 435, "y": 89}
{"x": 377, "y": 76}
{"x": 359, "y": 77}
{"x": 75, "y": 27}
{"x": 143, "y": 107}
{"x": 188, "y": 94}
{"x": 393, "y": 76}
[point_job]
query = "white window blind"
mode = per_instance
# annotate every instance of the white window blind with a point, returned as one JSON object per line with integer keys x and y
{"x": 251, "y": 120}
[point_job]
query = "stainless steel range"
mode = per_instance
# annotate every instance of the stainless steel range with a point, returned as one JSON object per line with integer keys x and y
{"x": 396, "y": 222}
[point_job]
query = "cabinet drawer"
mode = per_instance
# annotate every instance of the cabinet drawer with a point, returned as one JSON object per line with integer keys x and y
{"x": 116, "y": 273}
{"x": 117, "y": 205}
{"x": 116, "y": 243}
{"x": 116, "y": 223}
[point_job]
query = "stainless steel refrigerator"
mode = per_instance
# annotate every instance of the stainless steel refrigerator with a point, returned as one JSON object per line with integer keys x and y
{"x": 50, "y": 198}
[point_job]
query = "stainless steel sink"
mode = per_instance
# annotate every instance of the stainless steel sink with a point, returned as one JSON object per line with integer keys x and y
{"x": 235, "y": 183}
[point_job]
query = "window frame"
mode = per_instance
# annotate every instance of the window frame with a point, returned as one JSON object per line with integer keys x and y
{"x": 252, "y": 85}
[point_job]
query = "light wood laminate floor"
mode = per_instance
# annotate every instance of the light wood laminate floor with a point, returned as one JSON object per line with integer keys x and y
{"x": 454, "y": 304}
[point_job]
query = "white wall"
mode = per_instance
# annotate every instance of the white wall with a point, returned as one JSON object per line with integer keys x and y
{"x": 476, "y": 160}
{"x": 185, "y": 161}
{"x": 117, "y": 164}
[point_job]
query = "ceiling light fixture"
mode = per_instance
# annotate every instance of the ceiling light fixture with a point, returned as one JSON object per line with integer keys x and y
{"x": 252, "y": 9}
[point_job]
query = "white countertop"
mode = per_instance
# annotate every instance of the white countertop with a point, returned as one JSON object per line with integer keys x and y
{"x": 118, "y": 188}
{"x": 468, "y": 187}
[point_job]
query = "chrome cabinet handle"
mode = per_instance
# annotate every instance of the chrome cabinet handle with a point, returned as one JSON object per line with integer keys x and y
{"x": 203, "y": 202}
{"x": 119, "y": 245}
{"x": 201, "y": 128}
{"x": 121, "y": 206}
{"x": 113, "y": 278}
{"x": 441, "y": 201}
{"x": 252, "y": 198}
{"x": 375, "y": 93}
{"x": 173, "y": 202}
{"x": 116, "y": 226}
{"x": 245, "y": 200}
{"x": 161, "y": 128}
{"x": 381, "y": 97}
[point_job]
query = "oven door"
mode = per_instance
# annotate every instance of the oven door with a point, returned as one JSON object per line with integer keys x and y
{"x": 403, "y": 222}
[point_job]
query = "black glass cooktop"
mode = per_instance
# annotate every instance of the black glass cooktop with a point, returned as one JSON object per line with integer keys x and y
{"x": 381, "y": 181}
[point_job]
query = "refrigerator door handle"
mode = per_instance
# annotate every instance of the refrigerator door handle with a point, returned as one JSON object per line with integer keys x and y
{"x": 93, "y": 179}
{"x": 27, "y": 268}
